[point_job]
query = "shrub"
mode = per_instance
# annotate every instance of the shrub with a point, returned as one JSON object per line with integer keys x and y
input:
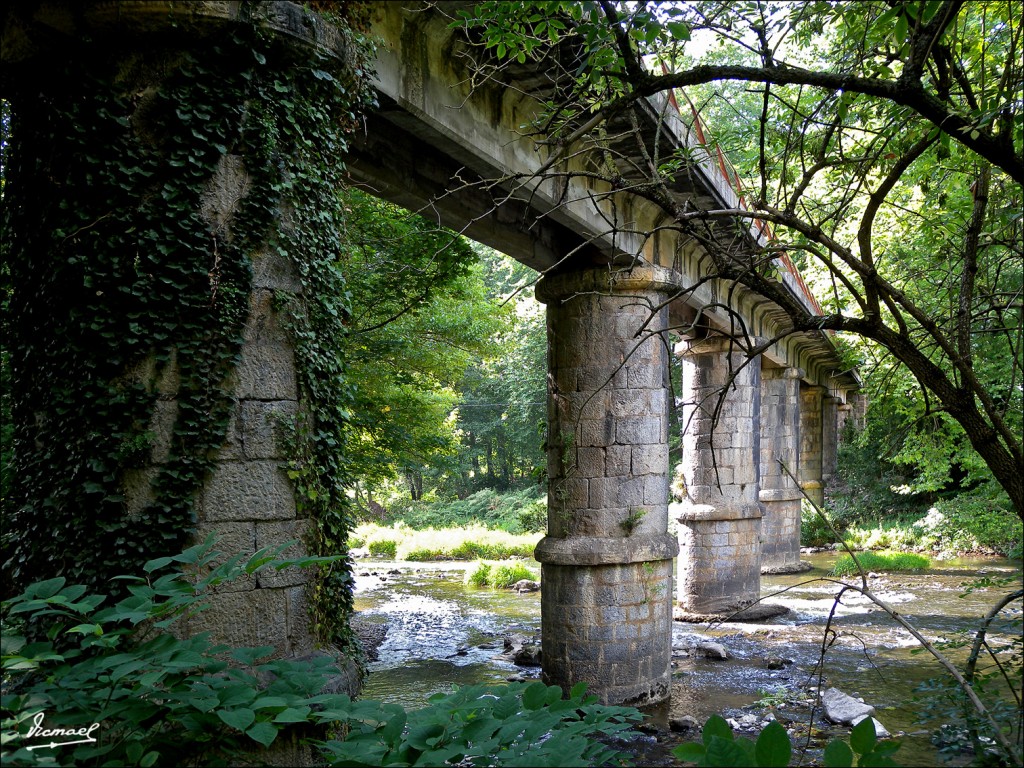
{"x": 499, "y": 575}
{"x": 814, "y": 532}
{"x": 979, "y": 520}
{"x": 507, "y": 574}
{"x": 383, "y": 547}
{"x": 159, "y": 699}
{"x": 518, "y": 512}
{"x": 518, "y": 724}
{"x": 479, "y": 575}
{"x": 881, "y": 561}
{"x": 719, "y": 747}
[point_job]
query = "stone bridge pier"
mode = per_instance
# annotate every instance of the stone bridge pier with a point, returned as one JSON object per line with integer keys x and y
{"x": 607, "y": 558}
{"x": 780, "y": 493}
{"x": 720, "y": 516}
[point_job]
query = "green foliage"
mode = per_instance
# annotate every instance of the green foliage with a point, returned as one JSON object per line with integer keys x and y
{"x": 507, "y": 574}
{"x": 719, "y": 747}
{"x": 382, "y": 547}
{"x": 865, "y": 745}
{"x": 880, "y": 561}
{"x": 303, "y": 114}
{"x": 147, "y": 295}
{"x": 525, "y": 724}
{"x": 502, "y": 410}
{"x": 980, "y": 520}
{"x": 517, "y": 512}
{"x": 157, "y": 695}
{"x": 471, "y": 542}
{"x": 125, "y": 274}
{"x": 815, "y": 531}
{"x": 160, "y": 698}
{"x": 904, "y": 218}
{"x": 480, "y": 574}
{"x": 499, "y": 575}
{"x": 420, "y": 315}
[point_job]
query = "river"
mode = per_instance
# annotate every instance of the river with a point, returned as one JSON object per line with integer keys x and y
{"x": 441, "y": 632}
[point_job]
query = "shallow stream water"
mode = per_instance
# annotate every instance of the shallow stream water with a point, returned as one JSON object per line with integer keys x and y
{"x": 441, "y": 632}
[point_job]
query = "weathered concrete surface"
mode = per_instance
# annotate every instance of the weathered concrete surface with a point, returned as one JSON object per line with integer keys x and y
{"x": 607, "y": 558}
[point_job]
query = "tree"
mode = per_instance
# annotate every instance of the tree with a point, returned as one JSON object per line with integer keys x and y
{"x": 886, "y": 150}
{"x": 420, "y": 316}
{"x": 504, "y": 399}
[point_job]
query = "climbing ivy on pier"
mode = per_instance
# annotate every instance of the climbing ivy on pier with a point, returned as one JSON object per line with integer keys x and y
{"x": 126, "y": 293}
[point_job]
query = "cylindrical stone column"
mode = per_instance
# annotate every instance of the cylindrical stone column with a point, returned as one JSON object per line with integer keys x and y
{"x": 810, "y": 443}
{"x": 779, "y": 493}
{"x": 606, "y": 606}
{"x": 720, "y": 515}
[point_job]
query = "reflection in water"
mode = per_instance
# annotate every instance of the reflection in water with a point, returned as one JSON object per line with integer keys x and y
{"x": 443, "y": 633}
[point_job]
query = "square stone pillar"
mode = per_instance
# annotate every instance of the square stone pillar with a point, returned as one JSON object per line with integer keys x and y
{"x": 811, "y": 447}
{"x": 720, "y": 514}
{"x": 606, "y": 605}
{"x": 779, "y": 493}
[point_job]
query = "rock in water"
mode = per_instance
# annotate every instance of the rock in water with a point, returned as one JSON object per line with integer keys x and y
{"x": 525, "y": 585}
{"x": 714, "y": 650}
{"x": 840, "y": 708}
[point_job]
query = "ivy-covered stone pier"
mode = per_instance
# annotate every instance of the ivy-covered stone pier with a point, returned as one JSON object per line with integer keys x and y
{"x": 170, "y": 306}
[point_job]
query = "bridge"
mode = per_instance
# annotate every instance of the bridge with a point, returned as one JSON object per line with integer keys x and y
{"x": 624, "y": 292}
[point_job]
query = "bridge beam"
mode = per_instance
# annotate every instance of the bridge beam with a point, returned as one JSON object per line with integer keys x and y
{"x": 779, "y": 493}
{"x": 720, "y": 515}
{"x": 607, "y": 559}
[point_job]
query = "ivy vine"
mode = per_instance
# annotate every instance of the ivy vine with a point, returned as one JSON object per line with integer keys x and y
{"x": 125, "y": 293}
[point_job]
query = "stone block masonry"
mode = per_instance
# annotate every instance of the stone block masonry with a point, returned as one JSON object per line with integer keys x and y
{"x": 607, "y": 559}
{"x": 720, "y": 512}
{"x": 779, "y": 494}
{"x": 811, "y": 442}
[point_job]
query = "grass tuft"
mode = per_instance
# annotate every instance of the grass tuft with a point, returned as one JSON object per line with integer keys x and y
{"x": 498, "y": 575}
{"x": 881, "y": 561}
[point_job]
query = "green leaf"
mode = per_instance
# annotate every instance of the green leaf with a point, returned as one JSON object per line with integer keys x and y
{"x": 690, "y": 752}
{"x": 716, "y": 726}
{"x": 292, "y": 715}
{"x": 535, "y": 696}
{"x": 862, "y": 737}
{"x": 725, "y": 753}
{"x": 772, "y": 748}
{"x": 678, "y": 30}
{"x": 838, "y": 755}
{"x": 239, "y": 719}
{"x": 263, "y": 732}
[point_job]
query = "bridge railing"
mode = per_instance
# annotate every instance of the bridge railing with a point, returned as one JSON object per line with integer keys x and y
{"x": 724, "y": 178}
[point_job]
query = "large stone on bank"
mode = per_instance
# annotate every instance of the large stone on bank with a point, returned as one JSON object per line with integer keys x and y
{"x": 840, "y": 708}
